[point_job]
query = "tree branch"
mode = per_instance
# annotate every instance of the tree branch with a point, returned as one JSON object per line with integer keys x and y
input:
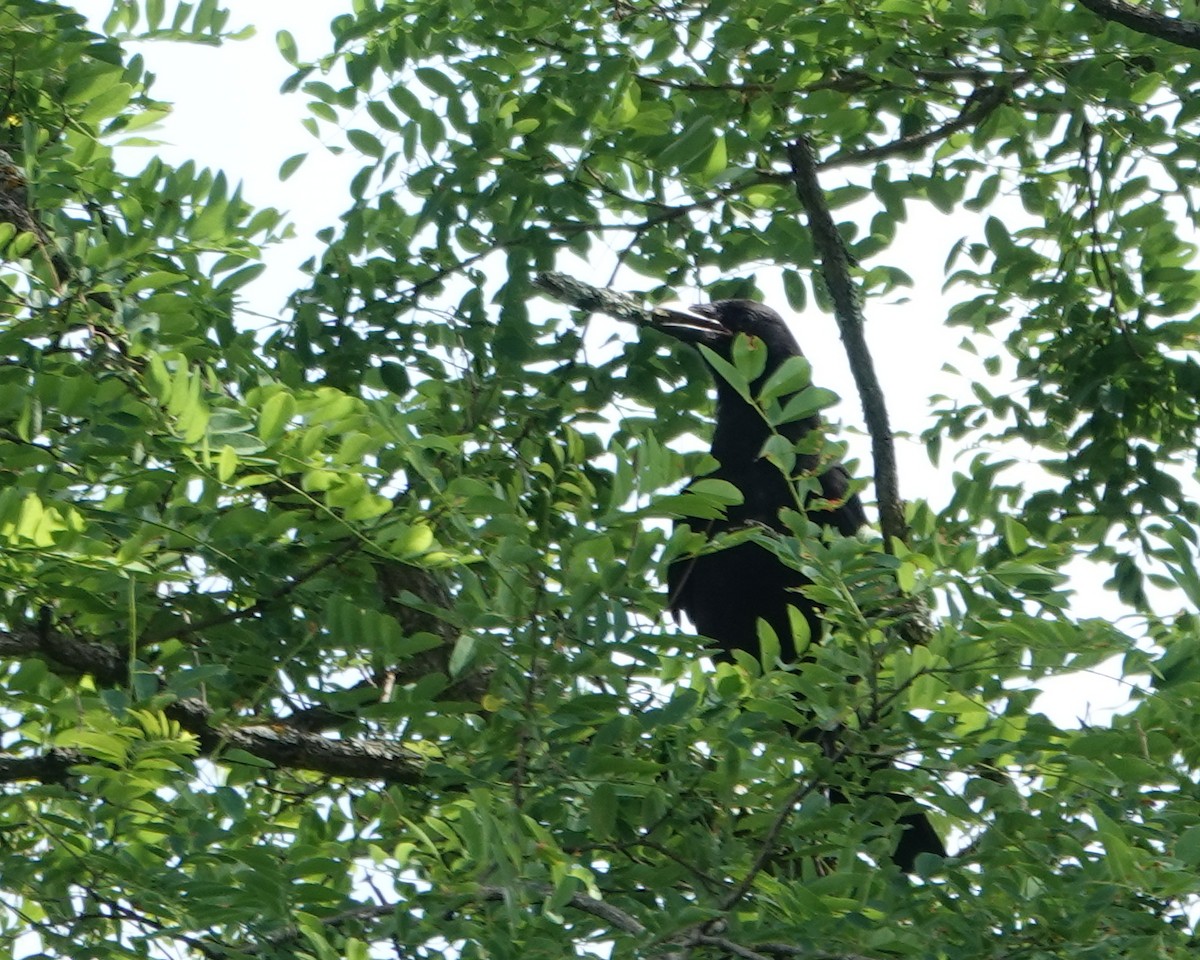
{"x": 276, "y": 743}
{"x": 787, "y": 950}
{"x": 53, "y": 766}
{"x": 292, "y": 749}
{"x": 767, "y": 848}
{"x": 66, "y": 654}
{"x": 730, "y": 947}
{"x": 835, "y": 267}
{"x": 257, "y": 607}
{"x": 612, "y": 303}
{"x": 616, "y": 917}
{"x": 980, "y": 103}
{"x": 1176, "y": 30}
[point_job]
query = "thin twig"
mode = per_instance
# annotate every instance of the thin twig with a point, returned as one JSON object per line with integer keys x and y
{"x": 263, "y": 602}
{"x": 625, "y": 922}
{"x": 979, "y": 104}
{"x": 767, "y": 850}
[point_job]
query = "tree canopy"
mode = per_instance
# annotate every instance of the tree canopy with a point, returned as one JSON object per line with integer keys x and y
{"x": 341, "y": 635}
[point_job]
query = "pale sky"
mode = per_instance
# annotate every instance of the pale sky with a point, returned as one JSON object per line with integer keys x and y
{"x": 228, "y": 113}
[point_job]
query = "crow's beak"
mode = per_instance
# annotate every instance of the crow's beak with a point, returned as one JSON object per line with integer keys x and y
{"x": 694, "y": 325}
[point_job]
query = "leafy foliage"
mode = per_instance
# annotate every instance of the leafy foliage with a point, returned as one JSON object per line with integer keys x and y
{"x": 344, "y": 637}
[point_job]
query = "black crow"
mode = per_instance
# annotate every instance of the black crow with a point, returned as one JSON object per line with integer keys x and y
{"x": 724, "y": 593}
{"x": 702, "y": 587}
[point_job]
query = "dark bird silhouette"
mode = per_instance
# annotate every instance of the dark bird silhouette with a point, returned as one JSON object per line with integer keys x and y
{"x": 725, "y": 592}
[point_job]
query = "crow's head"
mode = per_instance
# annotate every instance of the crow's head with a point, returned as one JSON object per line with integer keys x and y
{"x": 716, "y": 324}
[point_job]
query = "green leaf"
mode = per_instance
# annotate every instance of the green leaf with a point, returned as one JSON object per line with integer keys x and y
{"x": 287, "y": 46}
{"x": 106, "y": 103}
{"x": 277, "y": 412}
{"x": 156, "y": 280}
{"x": 794, "y": 374}
{"x": 1016, "y": 535}
{"x": 716, "y": 490}
{"x": 383, "y": 116}
{"x": 417, "y": 539}
{"x": 717, "y": 162}
{"x": 780, "y": 451}
{"x": 795, "y": 290}
{"x": 291, "y": 165}
{"x": 240, "y": 278}
{"x": 998, "y": 237}
{"x": 227, "y": 463}
{"x": 102, "y": 746}
{"x": 438, "y": 82}
{"x": 768, "y": 645}
{"x": 368, "y": 507}
{"x": 1187, "y": 847}
{"x": 602, "y": 810}
{"x": 807, "y": 403}
{"x": 749, "y": 356}
{"x": 728, "y": 372}
{"x": 155, "y": 12}
{"x": 696, "y": 140}
{"x": 463, "y": 654}
{"x": 366, "y": 143}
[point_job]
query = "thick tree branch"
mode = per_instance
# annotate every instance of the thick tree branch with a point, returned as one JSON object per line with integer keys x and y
{"x": 835, "y": 267}
{"x": 612, "y": 303}
{"x": 292, "y": 749}
{"x": 66, "y": 655}
{"x": 53, "y": 766}
{"x": 276, "y": 743}
{"x": 1176, "y": 30}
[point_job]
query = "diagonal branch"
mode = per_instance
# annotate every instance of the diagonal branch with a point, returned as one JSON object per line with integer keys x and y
{"x": 288, "y": 748}
{"x": 1176, "y": 30}
{"x": 615, "y": 916}
{"x": 612, "y": 303}
{"x": 979, "y": 105}
{"x": 767, "y": 848}
{"x": 835, "y": 267}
